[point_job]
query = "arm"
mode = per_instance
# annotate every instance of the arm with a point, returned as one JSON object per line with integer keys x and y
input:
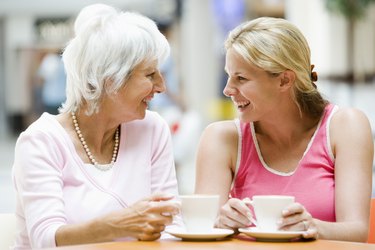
{"x": 215, "y": 166}
{"x": 163, "y": 173}
{"x": 39, "y": 178}
{"x": 353, "y": 148}
{"x": 144, "y": 220}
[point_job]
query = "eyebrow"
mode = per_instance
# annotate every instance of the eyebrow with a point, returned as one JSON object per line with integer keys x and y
{"x": 235, "y": 73}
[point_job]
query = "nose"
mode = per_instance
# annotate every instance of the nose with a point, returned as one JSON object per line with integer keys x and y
{"x": 229, "y": 90}
{"x": 159, "y": 83}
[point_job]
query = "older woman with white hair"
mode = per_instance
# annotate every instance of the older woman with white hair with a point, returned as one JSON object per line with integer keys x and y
{"x": 103, "y": 168}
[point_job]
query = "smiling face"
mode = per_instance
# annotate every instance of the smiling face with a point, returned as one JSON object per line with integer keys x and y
{"x": 253, "y": 91}
{"x": 131, "y": 101}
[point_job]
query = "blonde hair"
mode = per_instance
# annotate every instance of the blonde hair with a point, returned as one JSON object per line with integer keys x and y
{"x": 276, "y": 45}
{"x": 107, "y": 46}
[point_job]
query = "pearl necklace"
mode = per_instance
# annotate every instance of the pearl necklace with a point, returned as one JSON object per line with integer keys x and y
{"x": 102, "y": 167}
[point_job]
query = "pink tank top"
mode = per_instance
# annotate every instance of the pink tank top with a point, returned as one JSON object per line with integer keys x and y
{"x": 312, "y": 182}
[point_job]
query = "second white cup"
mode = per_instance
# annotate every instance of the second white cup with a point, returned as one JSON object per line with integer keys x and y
{"x": 268, "y": 210}
{"x": 199, "y": 212}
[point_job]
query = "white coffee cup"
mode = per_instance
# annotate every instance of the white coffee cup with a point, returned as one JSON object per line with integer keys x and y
{"x": 199, "y": 212}
{"x": 268, "y": 210}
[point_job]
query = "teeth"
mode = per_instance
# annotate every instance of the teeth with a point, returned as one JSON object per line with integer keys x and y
{"x": 147, "y": 99}
{"x": 241, "y": 104}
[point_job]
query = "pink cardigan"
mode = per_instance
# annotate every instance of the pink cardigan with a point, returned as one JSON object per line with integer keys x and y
{"x": 54, "y": 188}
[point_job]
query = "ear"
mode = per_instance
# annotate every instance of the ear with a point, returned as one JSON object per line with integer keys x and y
{"x": 287, "y": 79}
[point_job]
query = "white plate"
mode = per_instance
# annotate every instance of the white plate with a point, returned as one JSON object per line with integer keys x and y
{"x": 270, "y": 236}
{"x": 216, "y": 233}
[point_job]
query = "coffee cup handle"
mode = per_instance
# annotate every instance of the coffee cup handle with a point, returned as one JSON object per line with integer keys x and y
{"x": 247, "y": 201}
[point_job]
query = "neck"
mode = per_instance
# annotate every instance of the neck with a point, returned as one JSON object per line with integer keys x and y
{"x": 108, "y": 147}
{"x": 285, "y": 127}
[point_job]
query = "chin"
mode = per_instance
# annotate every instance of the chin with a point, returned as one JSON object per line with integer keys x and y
{"x": 141, "y": 115}
{"x": 245, "y": 118}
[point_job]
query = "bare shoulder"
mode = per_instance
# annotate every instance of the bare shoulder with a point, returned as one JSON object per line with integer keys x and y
{"x": 219, "y": 140}
{"x": 217, "y": 154}
{"x": 349, "y": 118}
{"x": 350, "y": 126}
{"x": 224, "y": 131}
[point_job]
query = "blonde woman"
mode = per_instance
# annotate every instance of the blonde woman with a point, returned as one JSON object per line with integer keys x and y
{"x": 287, "y": 139}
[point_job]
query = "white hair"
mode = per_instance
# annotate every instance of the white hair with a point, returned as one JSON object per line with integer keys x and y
{"x": 107, "y": 46}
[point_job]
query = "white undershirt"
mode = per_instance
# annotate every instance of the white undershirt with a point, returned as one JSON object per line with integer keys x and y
{"x": 102, "y": 177}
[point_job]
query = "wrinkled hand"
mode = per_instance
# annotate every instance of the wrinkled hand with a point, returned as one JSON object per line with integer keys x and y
{"x": 297, "y": 218}
{"x": 234, "y": 214}
{"x": 145, "y": 219}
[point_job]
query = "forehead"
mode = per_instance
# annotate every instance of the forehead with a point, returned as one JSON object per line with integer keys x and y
{"x": 234, "y": 61}
{"x": 235, "y": 64}
{"x": 146, "y": 65}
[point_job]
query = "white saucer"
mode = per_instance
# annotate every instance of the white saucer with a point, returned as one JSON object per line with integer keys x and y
{"x": 270, "y": 236}
{"x": 216, "y": 233}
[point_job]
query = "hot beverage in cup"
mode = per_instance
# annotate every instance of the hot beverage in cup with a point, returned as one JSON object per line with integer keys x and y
{"x": 268, "y": 210}
{"x": 199, "y": 212}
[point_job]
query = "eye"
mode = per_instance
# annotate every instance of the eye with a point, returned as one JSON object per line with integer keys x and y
{"x": 151, "y": 75}
{"x": 240, "y": 78}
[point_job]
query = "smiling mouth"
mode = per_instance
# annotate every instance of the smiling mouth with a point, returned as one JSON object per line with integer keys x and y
{"x": 147, "y": 99}
{"x": 241, "y": 105}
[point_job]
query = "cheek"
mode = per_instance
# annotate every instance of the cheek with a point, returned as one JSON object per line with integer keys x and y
{"x": 250, "y": 92}
{"x": 145, "y": 89}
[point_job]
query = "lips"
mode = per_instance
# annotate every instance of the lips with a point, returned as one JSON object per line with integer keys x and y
{"x": 242, "y": 104}
{"x": 147, "y": 99}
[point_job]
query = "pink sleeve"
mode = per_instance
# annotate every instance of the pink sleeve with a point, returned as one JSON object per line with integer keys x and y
{"x": 163, "y": 173}
{"x": 38, "y": 181}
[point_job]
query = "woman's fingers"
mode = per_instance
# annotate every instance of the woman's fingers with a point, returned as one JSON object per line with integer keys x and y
{"x": 150, "y": 232}
{"x": 297, "y": 218}
{"x": 311, "y": 233}
{"x": 160, "y": 197}
{"x": 162, "y": 207}
{"x": 152, "y": 214}
{"x": 234, "y": 214}
{"x": 241, "y": 212}
{"x": 293, "y": 216}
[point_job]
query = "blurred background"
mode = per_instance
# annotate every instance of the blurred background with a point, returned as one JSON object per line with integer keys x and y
{"x": 341, "y": 34}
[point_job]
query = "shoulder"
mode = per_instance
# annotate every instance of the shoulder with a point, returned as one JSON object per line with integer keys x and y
{"x": 349, "y": 118}
{"x": 43, "y": 139}
{"x": 350, "y": 126}
{"x": 221, "y": 131}
{"x": 151, "y": 119}
{"x": 218, "y": 145}
{"x": 151, "y": 127}
{"x": 45, "y": 125}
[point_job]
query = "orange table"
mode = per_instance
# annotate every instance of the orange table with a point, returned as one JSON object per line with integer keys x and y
{"x": 243, "y": 243}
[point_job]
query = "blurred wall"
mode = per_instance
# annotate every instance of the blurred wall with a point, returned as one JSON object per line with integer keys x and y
{"x": 21, "y": 43}
{"x": 200, "y": 59}
{"x": 327, "y": 36}
{"x": 199, "y": 43}
{"x": 3, "y": 128}
{"x": 18, "y": 33}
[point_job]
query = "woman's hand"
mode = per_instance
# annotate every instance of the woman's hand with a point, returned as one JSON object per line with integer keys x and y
{"x": 297, "y": 218}
{"x": 145, "y": 219}
{"x": 234, "y": 214}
